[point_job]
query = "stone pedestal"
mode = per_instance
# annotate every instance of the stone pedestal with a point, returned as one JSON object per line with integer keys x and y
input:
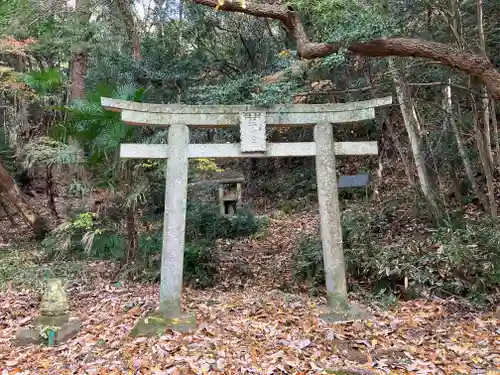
{"x": 40, "y": 334}
{"x": 53, "y": 325}
{"x": 156, "y": 324}
{"x": 349, "y": 313}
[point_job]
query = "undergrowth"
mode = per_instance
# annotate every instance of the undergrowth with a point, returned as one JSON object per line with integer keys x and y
{"x": 87, "y": 235}
{"x": 23, "y": 266}
{"x": 458, "y": 259}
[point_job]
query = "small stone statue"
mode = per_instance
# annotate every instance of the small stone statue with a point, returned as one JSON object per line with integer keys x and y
{"x": 53, "y": 324}
{"x": 54, "y": 300}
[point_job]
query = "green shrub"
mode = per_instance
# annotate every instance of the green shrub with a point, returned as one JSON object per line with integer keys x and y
{"x": 199, "y": 260}
{"x": 204, "y": 222}
{"x": 462, "y": 260}
{"x": 84, "y": 235}
{"x": 199, "y": 264}
{"x": 308, "y": 261}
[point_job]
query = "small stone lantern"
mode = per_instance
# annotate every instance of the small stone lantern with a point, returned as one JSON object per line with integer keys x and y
{"x": 230, "y": 195}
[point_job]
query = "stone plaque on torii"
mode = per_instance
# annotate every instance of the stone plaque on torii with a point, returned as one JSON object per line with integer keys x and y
{"x": 252, "y": 120}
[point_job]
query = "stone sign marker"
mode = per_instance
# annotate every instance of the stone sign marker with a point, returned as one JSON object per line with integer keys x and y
{"x": 252, "y": 122}
{"x": 253, "y": 131}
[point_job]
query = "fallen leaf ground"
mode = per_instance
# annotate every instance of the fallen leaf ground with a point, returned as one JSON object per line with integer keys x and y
{"x": 256, "y": 321}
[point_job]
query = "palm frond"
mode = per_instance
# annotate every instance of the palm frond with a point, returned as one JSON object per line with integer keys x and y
{"x": 49, "y": 152}
{"x": 138, "y": 194}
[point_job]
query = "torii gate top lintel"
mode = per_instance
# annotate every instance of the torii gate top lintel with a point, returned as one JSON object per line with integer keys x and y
{"x": 164, "y": 115}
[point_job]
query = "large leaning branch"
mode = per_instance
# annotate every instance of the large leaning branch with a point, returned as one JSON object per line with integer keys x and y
{"x": 471, "y": 64}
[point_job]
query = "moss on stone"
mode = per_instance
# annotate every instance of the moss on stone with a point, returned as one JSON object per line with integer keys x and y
{"x": 337, "y": 301}
{"x": 352, "y": 312}
{"x": 157, "y": 324}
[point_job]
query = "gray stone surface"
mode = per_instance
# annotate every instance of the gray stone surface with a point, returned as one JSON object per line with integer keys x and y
{"x": 174, "y": 222}
{"x": 358, "y": 180}
{"x": 28, "y": 336}
{"x": 331, "y": 232}
{"x": 157, "y": 324}
{"x": 54, "y": 299}
{"x": 63, "y": 333}
{"x": 230, "y": 118}
{"x": 352, "y": 313}
{"x": 253, "y": 131}
{"x": 162, "y": 151}
{"x": 68, "y": 331}
{"x": 49, "y": 321}
{"x": 118, "y": 105}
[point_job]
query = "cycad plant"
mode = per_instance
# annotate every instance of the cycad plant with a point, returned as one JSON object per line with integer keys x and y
{"x": 87, "y": 143}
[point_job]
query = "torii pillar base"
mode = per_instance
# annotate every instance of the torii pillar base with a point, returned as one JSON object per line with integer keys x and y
{"x": 156, "y": 324}
{"x": 351, "y": 313}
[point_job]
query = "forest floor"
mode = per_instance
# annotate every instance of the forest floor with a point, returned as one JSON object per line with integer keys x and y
{"x": 257, "y": 320}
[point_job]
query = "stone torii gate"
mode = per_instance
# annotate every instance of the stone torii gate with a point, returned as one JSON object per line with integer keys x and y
{"x": 252, "y": 120}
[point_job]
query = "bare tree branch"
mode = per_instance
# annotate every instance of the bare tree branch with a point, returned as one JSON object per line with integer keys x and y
{"x": 469, "y": 63}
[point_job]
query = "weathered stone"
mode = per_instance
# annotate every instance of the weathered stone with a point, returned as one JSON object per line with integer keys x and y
{"x": 163, "y": 115}
{"x": 215, "y": 120}
{"x": 54, "y": 300}
{"x": 174, "y": 222}
{"x": 51, "y": 321}
{"x": 497, "y": 312}
{"x": 178, "y": 151}
{"x": 233, "y": 150}
{"x": 349, "y": 313}
{"x": 28, "y": 336}
{"x": 253, "y": 131}
{"x": 67, "y": 331}
{"x": 229, "y": 197}
{"x": 329, "y": 213}
{"x": 157, "y": 324}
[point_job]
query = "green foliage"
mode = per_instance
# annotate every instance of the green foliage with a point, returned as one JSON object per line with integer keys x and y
{"x": 87, "y": 235}
{"x": 199, "y": 260}
{"x": 84, "y": 235}
{"x": 204, "y": 222}
{"x": 204, "y": 225}
{"x": 22, "y": 266}
{"x": 199, "y": 264}
{"x": 347, "y": 20}
{"x": 49, "y": 152}
{"x": 308, "y": 261}
{"x": 47, "y": 81}
{"x": 237, "y": 91}
{"x": 466, "y": 261}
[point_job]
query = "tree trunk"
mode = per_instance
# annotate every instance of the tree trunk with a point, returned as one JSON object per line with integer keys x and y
{"x": 5, "y": 209}
{"x": 407, "y": 110}
{"x": 485, "y": 160}
{"x": 79, "y": 60}
{"x": 485, "y": 99}
{"x": 399, "y": 148}
{"x": 132, "y": 239}
{"x": 461, "y": 146}
{"x": 494, "y": 123}
{"x": 13, "y": 194}
{"x": 126, "y": 11}
{"x": 78, "y": 72}
{"x": 49, "y": 191}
